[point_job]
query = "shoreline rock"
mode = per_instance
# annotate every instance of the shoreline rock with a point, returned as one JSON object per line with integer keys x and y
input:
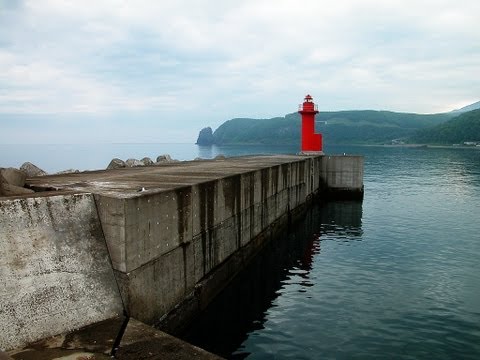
{"x": 164, "y": 159}
{"x": 32, "y": 170}
{"x": 205, "y": 137}
{"x": 133, "y": 163}
{"x": 68, "y": 171}
{"x": 116, "y": 164}
{"x": 147, "y": 161}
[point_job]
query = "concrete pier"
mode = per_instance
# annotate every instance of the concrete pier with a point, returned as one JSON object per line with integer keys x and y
{"x": 176, "y": 233}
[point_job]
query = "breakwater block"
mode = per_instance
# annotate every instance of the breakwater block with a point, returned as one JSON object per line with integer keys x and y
{"x": 55, "y": 273}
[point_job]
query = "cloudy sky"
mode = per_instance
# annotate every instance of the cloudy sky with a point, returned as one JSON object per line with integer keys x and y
{"x": 159, "y": 71}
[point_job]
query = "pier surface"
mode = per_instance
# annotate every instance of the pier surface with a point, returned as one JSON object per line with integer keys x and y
{"x": 128, "y": 182}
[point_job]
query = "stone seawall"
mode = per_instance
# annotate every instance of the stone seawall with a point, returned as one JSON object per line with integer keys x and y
{"x": 176, "y": 234}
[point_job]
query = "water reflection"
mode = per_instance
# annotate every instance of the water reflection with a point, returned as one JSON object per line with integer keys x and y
{"x": 283, "y": 266}
{"x": 209, "y": 152}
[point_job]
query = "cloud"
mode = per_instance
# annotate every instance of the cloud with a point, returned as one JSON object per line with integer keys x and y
{"x": 191, "y": 64}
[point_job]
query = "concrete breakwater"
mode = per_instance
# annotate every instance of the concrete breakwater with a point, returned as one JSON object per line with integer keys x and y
{"x": 156, "y": 242}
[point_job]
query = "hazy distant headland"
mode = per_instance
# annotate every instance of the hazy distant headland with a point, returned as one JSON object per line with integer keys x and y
{"x": 354, "y": 127}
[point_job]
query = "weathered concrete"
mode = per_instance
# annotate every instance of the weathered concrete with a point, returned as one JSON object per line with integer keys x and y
{"x": 342, "y": 176}
{"x": 169, "y": 227}
{"x": 144, "y": 342}
{"x": 94, "y": 341}
{"x": 13, "y": 176}
{"x": 5, "y": 356}
{"x": 99, "y": 340}
{"x": 12, "y": 182}
{"x": 12, "y": 190}
{"x": 2, "y": 182}
{"x": 214, "y": 282}
{"x": 164, "y": 243}
{"x": 55, "y": 273}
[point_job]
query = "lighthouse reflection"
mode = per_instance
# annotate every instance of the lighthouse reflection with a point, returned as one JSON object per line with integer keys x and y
{"x": 285, "y": 263}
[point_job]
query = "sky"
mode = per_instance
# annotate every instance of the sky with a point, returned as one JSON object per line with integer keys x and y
{"x": 108, "y": 71}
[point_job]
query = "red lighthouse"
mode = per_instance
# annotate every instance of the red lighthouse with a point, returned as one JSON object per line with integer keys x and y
{"x": 311, "y": 142}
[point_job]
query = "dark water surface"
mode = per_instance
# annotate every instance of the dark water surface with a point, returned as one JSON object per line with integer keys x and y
{"x": 394, "y": 277}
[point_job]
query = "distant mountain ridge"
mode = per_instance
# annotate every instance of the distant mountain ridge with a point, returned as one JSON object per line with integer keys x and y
{"x": 470, "y": 107}
{"x": 337, "y": 127}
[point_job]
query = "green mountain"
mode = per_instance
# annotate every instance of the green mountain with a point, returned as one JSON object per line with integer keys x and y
{"x": 470, "y": 107}
{"x": 353, "y": 127}
{"x": 462, "y": 128}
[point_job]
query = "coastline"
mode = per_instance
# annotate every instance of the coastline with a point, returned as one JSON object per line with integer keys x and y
{"x": 420, "y": 146}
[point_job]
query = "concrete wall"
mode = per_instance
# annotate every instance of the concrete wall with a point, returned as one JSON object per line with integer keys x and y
{"x": 55, "y": 272}
{"x": 342, "y": 176}
{"x": 163, "y": 244}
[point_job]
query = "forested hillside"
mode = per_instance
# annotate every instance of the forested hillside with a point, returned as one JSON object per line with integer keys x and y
{"x": 463, "y": 128}
{"x": 356, "y": 127}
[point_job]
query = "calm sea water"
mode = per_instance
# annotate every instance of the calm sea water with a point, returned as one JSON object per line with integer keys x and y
{"x": 397, "y": 276}
{"x": 58, "y": 157}
{"x": 394, "y": 277}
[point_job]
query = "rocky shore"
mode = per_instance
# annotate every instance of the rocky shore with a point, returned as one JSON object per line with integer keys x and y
{"x": 146, "y": 161}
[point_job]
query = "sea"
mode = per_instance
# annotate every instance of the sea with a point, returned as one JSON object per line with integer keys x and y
{"x": 396, "y": 276}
